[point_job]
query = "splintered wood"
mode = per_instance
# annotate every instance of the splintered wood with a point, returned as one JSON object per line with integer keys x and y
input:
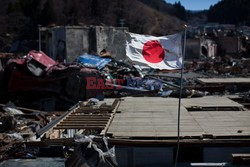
{"x": 87, "y": 118}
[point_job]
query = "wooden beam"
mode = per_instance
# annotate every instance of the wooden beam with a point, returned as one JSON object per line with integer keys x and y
{"x": 86, "y": 122}
{"x": 90, "y": 119}
{"x": 82, "y": 124}
{"x": 93, "y": 111}
{"x": 115, "y": 107}
{"x": 89, "y": 116}
{"x": 79, "y": 127}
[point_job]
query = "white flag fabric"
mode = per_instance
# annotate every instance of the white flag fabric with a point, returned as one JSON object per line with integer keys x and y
{"x": 163, "y": 52}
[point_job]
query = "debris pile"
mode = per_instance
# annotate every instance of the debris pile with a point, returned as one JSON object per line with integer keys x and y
{"x": 18, "y": 126}
{"x": 37, "y": 81}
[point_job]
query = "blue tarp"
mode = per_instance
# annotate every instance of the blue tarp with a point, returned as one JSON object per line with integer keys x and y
{"x": 93, "y": 61}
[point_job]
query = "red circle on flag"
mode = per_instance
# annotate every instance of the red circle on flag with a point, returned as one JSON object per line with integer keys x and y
{"x": 153, "y": 52}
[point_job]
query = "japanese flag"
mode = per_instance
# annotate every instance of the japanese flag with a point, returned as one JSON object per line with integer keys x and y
{"x": 163, "y": 52}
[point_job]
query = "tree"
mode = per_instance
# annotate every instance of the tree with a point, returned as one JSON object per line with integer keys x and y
{"x": 230, "y": 12}
{"x": 180, "y": 11}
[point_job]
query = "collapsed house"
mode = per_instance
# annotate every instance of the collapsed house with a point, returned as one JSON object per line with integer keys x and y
{"x": 125, "y": 132}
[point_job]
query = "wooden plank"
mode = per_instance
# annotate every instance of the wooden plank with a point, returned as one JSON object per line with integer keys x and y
{"x": 87, "y": 119}
{"x": 210, "y": 101}
{"x": 90, "y": 115}
{"x": 86, "y": 122}
{"x": 115, "y": 106}
{"x": 83, "y": 123}
{"x": 79, "y": 127}
{"x": 223, "y": 80}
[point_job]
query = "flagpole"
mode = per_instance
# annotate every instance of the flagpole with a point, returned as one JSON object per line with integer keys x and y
{"x": 39, "y": 37}
{"x": 179, "y": 105}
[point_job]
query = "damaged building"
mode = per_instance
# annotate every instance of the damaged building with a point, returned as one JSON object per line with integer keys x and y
{"x": 125, "y": 132}
{"x": 67, "y": 43}
{"x": 64, "y": 43}
{"x": 230, "y": 45}
{"x": 200, "y": 47}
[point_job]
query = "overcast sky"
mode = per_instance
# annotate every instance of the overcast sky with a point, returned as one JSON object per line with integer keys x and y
{"x": 195, "y": 4}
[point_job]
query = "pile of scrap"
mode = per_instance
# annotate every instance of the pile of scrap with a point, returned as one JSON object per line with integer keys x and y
{"x": 99, "y": 76}
{"x": 120, "y": 79}
{"x": 37, "y": 81}
{"x": 47, "y": 81}
{"x": 82, "y": 129}
{"x": 86, "y": 118}
{"x": 222, "y": 66}
{"x": 18, "y": 126}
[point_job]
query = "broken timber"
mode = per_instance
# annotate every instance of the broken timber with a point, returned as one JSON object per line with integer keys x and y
{"x": 83, "y": 117}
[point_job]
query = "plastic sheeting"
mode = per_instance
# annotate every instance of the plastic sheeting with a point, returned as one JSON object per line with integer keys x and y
{"x": 93, "y": 61}
{"x": 89, "y": 139}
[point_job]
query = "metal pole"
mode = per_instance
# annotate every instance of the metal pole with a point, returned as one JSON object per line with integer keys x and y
{"x": 39, "y": 31}
{"x": 179, "y": 105}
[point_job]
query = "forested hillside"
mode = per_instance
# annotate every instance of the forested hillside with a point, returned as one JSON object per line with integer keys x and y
{"x": 230, "y": 12}
{"x": 19, "y": 18}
